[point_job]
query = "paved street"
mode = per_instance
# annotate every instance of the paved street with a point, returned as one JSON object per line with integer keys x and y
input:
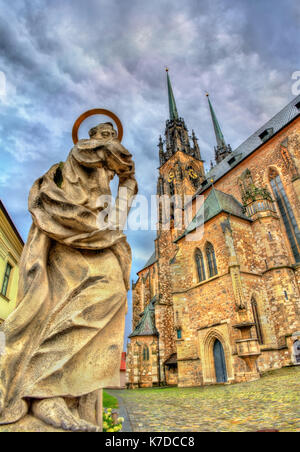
{"x": 271, "y": 402}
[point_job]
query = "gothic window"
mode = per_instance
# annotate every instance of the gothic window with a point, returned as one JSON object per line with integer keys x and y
{"x": 179, "y": 171}
{"x": 257, "y": 321}
{"x": 6, "y": 279}
{"x": 211, "y": 260}
{"x": 200, "y": 265}
{"x": 145, "y": 353}
{"x": 286, "y": 212}
{"x": 172, "y": 188}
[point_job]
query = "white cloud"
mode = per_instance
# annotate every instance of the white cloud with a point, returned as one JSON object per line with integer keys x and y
{"x": 62, "y": 58}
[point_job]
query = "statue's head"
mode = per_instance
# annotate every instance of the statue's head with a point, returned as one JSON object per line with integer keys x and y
{"x": 103, "y": 132}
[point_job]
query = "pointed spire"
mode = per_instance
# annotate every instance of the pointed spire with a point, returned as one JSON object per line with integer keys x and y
{"x": 172, "y": 103}
{"x": 218, "y": 131}
{"x": 197, "y": 153}
{"x": 222, "y": 149}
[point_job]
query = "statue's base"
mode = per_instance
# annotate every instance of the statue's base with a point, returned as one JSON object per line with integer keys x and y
{"x": 29, "y": 424}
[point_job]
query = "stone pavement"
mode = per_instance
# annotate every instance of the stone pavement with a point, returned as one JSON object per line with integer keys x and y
{"x": 271, "y": 402}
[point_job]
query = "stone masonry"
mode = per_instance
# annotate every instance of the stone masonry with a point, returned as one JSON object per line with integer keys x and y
{"x": 225, "y": 304}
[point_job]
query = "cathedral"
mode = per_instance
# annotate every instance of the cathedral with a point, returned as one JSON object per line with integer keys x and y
{"x": 222, "y": 306}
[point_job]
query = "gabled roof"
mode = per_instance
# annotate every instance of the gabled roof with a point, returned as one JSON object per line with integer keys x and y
{"x": 215, "y": 203}
{"x": 146, "y": 327}
{"x": 2, "y": 207}
{"x": 284, "y": 117}
{"x": 150, "y": 262}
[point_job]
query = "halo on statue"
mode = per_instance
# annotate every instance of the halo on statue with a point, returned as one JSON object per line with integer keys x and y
{"x": 96, "y": 111}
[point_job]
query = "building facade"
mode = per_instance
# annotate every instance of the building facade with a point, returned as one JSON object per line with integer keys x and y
{"x": 11, "y": 246}
{"x": 218, "y": 301}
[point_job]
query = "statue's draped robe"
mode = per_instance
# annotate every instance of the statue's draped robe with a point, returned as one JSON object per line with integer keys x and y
{"x": 65, "y": 337}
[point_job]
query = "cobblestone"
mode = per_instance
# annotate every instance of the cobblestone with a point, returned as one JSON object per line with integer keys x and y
{"x": 271, "y": 402}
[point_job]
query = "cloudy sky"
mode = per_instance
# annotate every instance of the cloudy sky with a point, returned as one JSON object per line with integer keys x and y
{"x": 63, "y": 57}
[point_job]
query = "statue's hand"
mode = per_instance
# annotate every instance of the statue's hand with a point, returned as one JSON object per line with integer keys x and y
{"x": 118, "y": 159}
{"x": 115, "y": 146}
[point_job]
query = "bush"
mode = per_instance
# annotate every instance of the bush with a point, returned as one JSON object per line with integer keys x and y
{"x": 108, "y": 422}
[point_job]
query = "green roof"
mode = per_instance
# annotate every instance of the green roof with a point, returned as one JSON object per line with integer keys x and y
{"x": 146, "y": 327}
{"x": 215, "y": 203}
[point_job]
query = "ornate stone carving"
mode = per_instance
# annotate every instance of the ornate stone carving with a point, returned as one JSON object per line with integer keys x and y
{"x": 288, "y": 160}
{"x": 234, "y": 266}
{"x": 253, "y": 193}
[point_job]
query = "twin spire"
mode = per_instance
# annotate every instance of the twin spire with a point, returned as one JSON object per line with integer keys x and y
{"x": 172, "y": 103}
{"x": 218, "y": 131}
{"x": 222, "y": 149}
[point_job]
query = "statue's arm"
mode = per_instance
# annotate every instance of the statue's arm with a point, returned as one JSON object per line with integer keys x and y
{"x": 127, "y": 190}
{"x": 120, "y": 161}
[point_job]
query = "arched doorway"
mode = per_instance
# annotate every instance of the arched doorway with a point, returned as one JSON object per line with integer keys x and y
{"x": 220, "y": 363}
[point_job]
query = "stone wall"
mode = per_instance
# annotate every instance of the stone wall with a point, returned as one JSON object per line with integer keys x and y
{"x": 256, "y": 266}
{"x": 142, "y": 373}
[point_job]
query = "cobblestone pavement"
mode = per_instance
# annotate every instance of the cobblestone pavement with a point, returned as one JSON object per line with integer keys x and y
{"x": 271, "y": 402}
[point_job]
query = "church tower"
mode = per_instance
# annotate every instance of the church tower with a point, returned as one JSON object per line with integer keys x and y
{"x": 181, "y": 166}
{"x": 222, "y": 149}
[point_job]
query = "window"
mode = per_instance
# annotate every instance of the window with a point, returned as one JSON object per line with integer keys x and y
{"x": 257, "y": 321}
{"x": 146, "y": 353}
{"x": 211, "y": 260}
{"x": 179, "y": 334}
{"x": 266, "y": 134}
{"x": 172, "y": 188}
{"x": 286, "y": 212}
{"x": 6, "y": 279}
{"x": 200, "y": 265}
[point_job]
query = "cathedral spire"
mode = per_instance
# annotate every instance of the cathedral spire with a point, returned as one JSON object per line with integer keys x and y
{"x": 218, "y": 131}
{"x": 222, "y": 149}
{"x": 172, "y": 103}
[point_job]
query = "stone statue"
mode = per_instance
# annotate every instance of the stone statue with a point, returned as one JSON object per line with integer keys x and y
{"x": 65, "y": 338}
